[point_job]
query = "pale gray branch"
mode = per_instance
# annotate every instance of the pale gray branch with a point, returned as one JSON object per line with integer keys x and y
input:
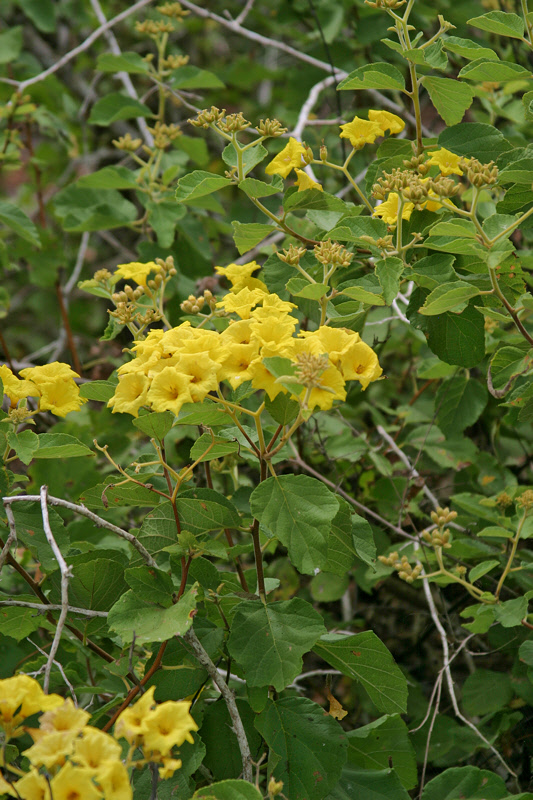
{"x": 413, "y": 473}
{"x": 12, "y": 537}
{"x": 86, "y": 612}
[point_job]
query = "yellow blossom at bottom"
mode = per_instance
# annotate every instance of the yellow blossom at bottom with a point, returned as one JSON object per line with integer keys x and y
{"x": 168, "y": 725}
{"x": 130, "y": 394}
{"x": 305, "y": 182}
{"x": 388, "y": 210}
{"x": 169, "y": 391}
{"x": 114, "y": 781}
{"x": 32, "y": 787}
{"x": 331, "y": 388}
{"x": 74, "y": 783}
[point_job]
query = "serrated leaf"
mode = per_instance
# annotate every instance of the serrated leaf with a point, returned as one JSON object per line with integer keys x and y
{"x": 507, "y": 364}
{"x": 282, "y": 409}
{"x": 353, "y": 229}
{"x": 365, "y": 658}
{"x": 477, "y": 139}
{"x": 135, "y": 620}
{"x": 450, "y": 97}
{"x": 24, "y": 444}
{"x": 372, "y": 746}
{"x": 150, "y": 584}
{"x": 116, "y": 106}
{"x": 500, "y": 22}
{"x": 254, "y": 188}
{"x": 481, "y": 569}
{"x": 129, "y": 62}
{"x": 101, "y": 391}
{"x": 155, "y": 425}
{"x": 248, "y": 235}
{"x": 104, "y": 495}
{"x": 30, "y": 531}
{"x": 61, "y": 445}
{"x": 370, "y": 784}
{"x": 498, "y": 71}
{"x": 363, "y": 295}
{"x": 17, "y": 220}
{"x": 300, "y": 287}
{"x": 313, "y": 200}
{"x": 450, "y": 296}
{"x": 459, "y": 403}
{"x": 511, "y": 612}
{"x": 298, "y": 511}
{"x": 269, "y": 641}
{"x": 250, "y": 158}
{"x": 389, "y": 271}
{"x": 208, "y": 447}
{"x": 112, "y": 177}
{"x": 374, "y": 76}
{"x": 466, "y": 48}
{"x": 10, "y": 44}
{"x": 485, "y": 691}
{"x": 198, "y": 184}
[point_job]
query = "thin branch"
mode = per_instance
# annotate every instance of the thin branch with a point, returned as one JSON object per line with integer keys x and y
{"x": 86, "y": 612}
{"x": 60, "y": 668}
{"x": 66, "y": 573}
{"x": 11, "y": 538}
{"x": 244, "y": 13}
{"x": 78, "y": 266}
{"x": 98, "y": 521}
{"x": 229, "y": 698}
{"x": 413, "y": 473}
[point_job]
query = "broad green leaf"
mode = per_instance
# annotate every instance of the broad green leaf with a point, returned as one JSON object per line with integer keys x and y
{"x": 205, "y": 414}
{"x": 198, "y": 184}
{"x": 228, "y": 790}
{"x": 83, "y": 209}
{"x": 448, "y": 297}
{"x": 481, "y": 569}
{"x": 433, "y": 270}
{"x": 17, "y": 220}
{"x": 450, "y": 97}
{"x": 163, "y": 217}
{"x": 104, "y": 495}
{"x": 207, "y": 448}
{"x": 364, "y": 293}
{"x": 117, "y": 106}
{"x": 525, "y": 652}
{"x": 248, "y": 235}
{"x": 363, "y": 540}
{"x": 506, "y": 365}
{"x": 374, "y": 76}
{"x": 124, "y": 62}
{"x": 370, "y": 784}
{"x": 101, "y": 391}
{"x": 493, "y": 531}
{"x": 474, "y": 506}
{"x": 389, "y": 271}
{"x": 307, "y": 747}
{"x": 341, "y": 550}
{"x": 470, "y": 782}
{"x": 282, "y": 409}
{"x": 459, "y": 403}
{"x": 498, "y": 71}
{"x": 150, "y": 584}
{"x": 191, "y": 77}
{"x": 134, "y": 619}
{"x": 10, "y": 44}
{"x": 97, "y": 580}
{"x": 155, "y": 425}
{"x": 326, "y": 587}
{"x": 19, "y": 622}
{"x": 483, "y": 618}
{"x": 113, "y": 177}
{"x": 520, "y": 171}
{"x": 60, "y": 445}
{"x": 466, "y": 48}
{"x": 455, "y": 227}
{"x": 431, "y": 56}
{"x": 500, "y": 22}
{"x": 511, "y": 612}
{"x": 24, "y": 444}
{"x": 300, "y": 287}
{"x": 373, "y": 746}
{"x": 458, "y": 338}
{"x": 485, "y": 691}
{"x": 477, "y": 139}
{"x": 30, "y": 531}
{"x": 356, "y": 229}
{"x": 250, "y": 158}
{"x": 254, "y": 188}
{"x": 314, "y": 200}
{"x": 365, "y": 658}
{"x": 41, "y": 12}
{"x": 269, "y": 641}
{"x": 297, "y": 510}
{"x": 223, "y": 757}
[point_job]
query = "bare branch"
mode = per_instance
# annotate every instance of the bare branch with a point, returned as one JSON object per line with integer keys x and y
{"x": 413, "y": 473}
{"x": 12, "y": 537}
{"x": 60, "y": 668}
{"x": 86, "y": 612}
{"x": 229, "y": 698}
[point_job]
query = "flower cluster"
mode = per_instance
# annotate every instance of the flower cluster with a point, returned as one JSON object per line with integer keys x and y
{"x": 52, "y": 384}
{"x": 362, "y": 131}
{"x": 185, "y": 364}
{"x": 71, "y": 760}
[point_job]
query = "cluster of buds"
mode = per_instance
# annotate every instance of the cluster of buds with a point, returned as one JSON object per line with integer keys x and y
{"x": 384, "y": 242}
{"x": 309, "y": 369}
{"x": 443, "y": 187}
{"x": 437, "y": 538}
{"x": 208, "y": 117}
{"x": 271, "y": 128}
{"x": 479, "y": 174}
{"x": 417, "y": 163}
{"x": 173, "y": 10}
{"x": 19, "y": 415}
{"x": 274, "y": 788}
{"x": 127, "y": 143}
{"x": 443, "y": 516}
{"x": 127, "y": 295}
{"x": 126, "y": 313}
{"x": 291, "y": 256}
{"x": 193, "y": 305}
{"x": 164, "y": 134}
{"x": 154, "y": 27}
{"x": 174, "y": 62}
{"x": 332, "y": 254}
{"x": 396, "y": 181}
{"x": 102, "y": 276}
{"x": 504, "y": 500}
{"x": 386, "y": 4}
{"x": 402, "y": 566}
{"x": 166, "y": 267}
{"x": 233, "y": 123}
{"x": 525, "y": 501}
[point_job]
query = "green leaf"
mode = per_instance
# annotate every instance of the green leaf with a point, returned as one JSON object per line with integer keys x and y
{"x": 314, "y": 200}
{"x": 374, "y": 76}
{"x": 450, "y": 97}
{"x": 223, "y": 757}
{"x": 41, "y": 12}
{"x": 300, "y": 287}
{"x": 520, "y": 171}
{"x": 10, "y": 44}
{"x": 104, "y": 495}
{"x": 83, "y": 209}
{"x": 117, "y": 106}
{"x": 364, "y": 291}
{"x": 363, "y": 540}
{"x": 113, "y": 177}
{"x": 163, "y": 218}
{"x": 150, "y": 584}
{"x": 282, "y": 409}
{"x": 297, "y": 510}
{"x": 198, "y": 184}
{"x": 485, "y": 691}
{"x": 30, "y": 532}
{"x": 228, "y": 790}
{"x": 466, "y": 48}
{"x": 389, "y": 271}
{"x": 365, "y": 658}
{"x": 129, "y": 62}
{"x": 248, "y": 235}
{"x": 191, "y": 77}
{"x": 433, "y": 270}
{"x": 455, "y": 227}
{"x": 370, "y": 784}
{"x": 341, "y": 549}
{"x": 372, "y": 746}
{"x": 500, "y": 22}
{"x": 481, "y": 569}
{"x": 250, "y": 158}
{"x": 525, "y": 652}
{"x": 498, "y": 71}
{"x": 458, "y": 338}
{"x": 134, "y": 619}
{"x": 493, "y": 531}
{"x": 155, "y": 425}
{"x": 24, "y": 444}
{"x": 268, "y": 641}
{"x": 511, "y": 612}
{"x": 450, "y": 296}
{"x": 254, "y": 188}
{"x": 19, "y": 622}
{"x": 97, "y": 581}
{"x": 459, "y": 403}
{"x": 506, "y": 365}
{"x": 326, "y": 587}
{"x": 477, "y": 139}
{"x": 208, "y": 447}
{"x": 207, "y": 413}
{"x": 101, "y": 391}
{"x": 60, "y": 445}
{"x": 17, "y": 220}
{"x": 356, "y": 229}
{"x": 307, "y": 746}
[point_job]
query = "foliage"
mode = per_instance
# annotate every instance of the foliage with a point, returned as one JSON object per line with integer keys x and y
{"x": 291, "y": 489}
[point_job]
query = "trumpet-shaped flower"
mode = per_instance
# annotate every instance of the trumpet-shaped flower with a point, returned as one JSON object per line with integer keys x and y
{"x": 238, "y": 274}
{"x": 136, "y": 271}
{"x": 20, "y": 697}
{"x": 389, "y": 210}
{"x": 51, "y": 750}
{"x": 330, "y": 388}
{"x": 14, "y": 388}
{"x": 290, "y": 157}
{"x": 60, "y": 397}
{"x": 202, "y": 372}
{"x": 170, "y": 724}
{"x": 360, "y": 363}
{"x": 387, "y": 121}
{"x": 305, "y": 182}
{"x": 130, "y": 394}
{"x": 95, "y": 749}
{"x": 130, "y": 723}
{"x": 242, "y": 302}
{"x": 273, "y": 305}
{"x": 113, "y": 780}
{"x": 447, "y": 162}
{"x": 235, "y": 367}
{"x": 74, "y": 783}
{"x": 64, "y": 718}
{"x": 275, "y": 333}
{"x": 32, "y": 786}
{"x": 360, "y": 132}
{"x": 169, "y": 390}
{"x": 48, "y": 372}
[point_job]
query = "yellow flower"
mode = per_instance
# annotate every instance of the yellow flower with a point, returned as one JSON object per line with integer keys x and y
{"x": 388, "y": 210}
{"x": 31, "y": 787}
{"x": 170, "y": 389}
{"x": 333, "y": 341}
{"x": 242, "y": 302}
{"x": 6, "y": 788}
{"x": 261, "y": 377}
{"x": 60, "y": 397}
{"x": 387, "y": 121}
{"x": 95, "y": 749}
{"x": 275, "y": 332}
{"x": 203, "y": 374}
{"x": 170, "y": 724}
{"x": 235, "y": 367}
{"x": 14, "y": 388}
{"x": 74, "y": 783}
{"x": 114, "y": 781}
{"x": 64, "y": 718}
{"x": 136, "y": 271}
{"x": 447, "y": 162}
{"x": 20, "y": 697}
{"x": 290, "y": 157}
{"x": 48, "y": 372}
{"x": 170, "y": 765}
{"x": 51, "y": 750}
{"x": 305, "y": 182}
{"x": 130, "y": 394}
{"x": 360, "y": 132}
{"x": 238, "y": 274}
{"x": 331, "y": 388}
{"x": 360, "y": 363}
{"x": 272, "y": 304}
{"x": 130, "y": 723}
